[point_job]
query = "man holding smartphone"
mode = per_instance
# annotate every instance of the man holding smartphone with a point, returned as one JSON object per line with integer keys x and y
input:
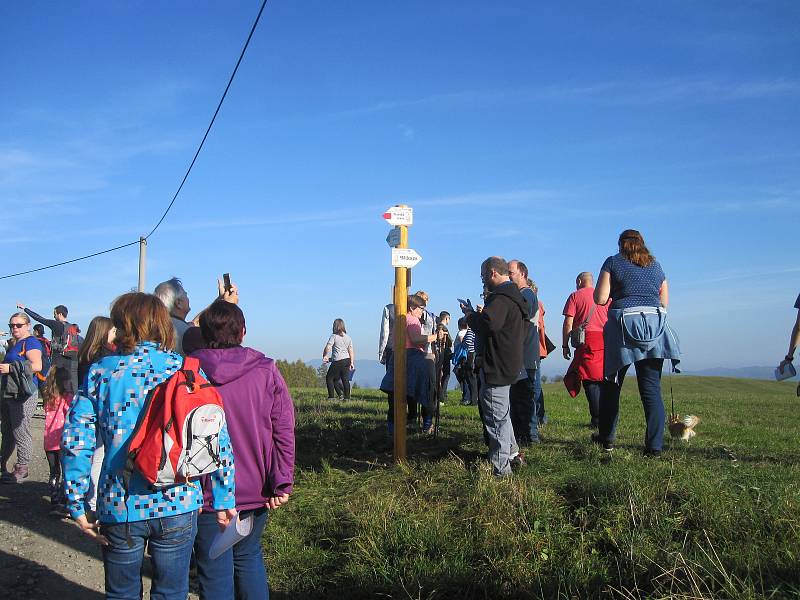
{"x": 175, "y": 298}
{"x": 500, "y": 331}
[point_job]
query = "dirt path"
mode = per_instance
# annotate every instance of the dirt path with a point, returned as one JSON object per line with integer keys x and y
{"x": 43, "y": 557}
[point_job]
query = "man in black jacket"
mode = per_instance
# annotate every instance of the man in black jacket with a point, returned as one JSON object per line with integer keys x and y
{"x": 499, "y": 328}
{"x": 61, "y": 342}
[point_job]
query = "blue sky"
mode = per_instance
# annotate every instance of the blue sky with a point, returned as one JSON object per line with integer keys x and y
{"x": 521, "y": 129}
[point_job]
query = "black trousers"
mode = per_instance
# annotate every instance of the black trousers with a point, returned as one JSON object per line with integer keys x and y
{"x": 339, "y": 371}
{"x": 412, "y": 405}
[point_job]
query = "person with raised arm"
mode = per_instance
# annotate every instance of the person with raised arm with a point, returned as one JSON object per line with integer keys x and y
{"x": 260, "y": 415}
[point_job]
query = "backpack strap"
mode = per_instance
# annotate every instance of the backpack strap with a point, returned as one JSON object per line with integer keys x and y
{"x": 190, "y": 368}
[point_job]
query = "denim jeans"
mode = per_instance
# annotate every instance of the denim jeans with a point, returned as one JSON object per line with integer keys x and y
{"x": 593, "y": 390}
{"x": 496, "y": 415}
{"x": 170, "y": 542}
{"x": 523, "y": 408}
{"x": 241, "y": 568}
{"x": 648, "y": 379}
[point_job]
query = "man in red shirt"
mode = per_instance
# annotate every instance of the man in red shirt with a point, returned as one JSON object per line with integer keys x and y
{"x": 580, "y": 312}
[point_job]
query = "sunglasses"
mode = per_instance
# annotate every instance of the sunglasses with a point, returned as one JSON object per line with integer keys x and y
{"x": 16, "y": 325}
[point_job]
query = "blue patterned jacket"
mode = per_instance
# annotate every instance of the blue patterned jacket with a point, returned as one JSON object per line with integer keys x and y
{"x": 108, "y": 404}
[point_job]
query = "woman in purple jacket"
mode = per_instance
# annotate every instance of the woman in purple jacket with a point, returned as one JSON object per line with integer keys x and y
{"x": 260, "y": 418}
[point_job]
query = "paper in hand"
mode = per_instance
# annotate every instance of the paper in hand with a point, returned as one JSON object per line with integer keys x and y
{"x": 236, "y": 531}
{"x": 787, "y": 372}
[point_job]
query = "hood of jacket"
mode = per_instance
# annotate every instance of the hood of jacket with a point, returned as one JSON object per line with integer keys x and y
{"x": 225, "y": 365}
{"x": 510, "y": 290}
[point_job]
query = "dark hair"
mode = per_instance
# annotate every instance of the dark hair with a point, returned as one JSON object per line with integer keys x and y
{"x": 55, "y": 386}
{"x": 338, "y": 327}
{"x": 96, "y": 340}
{"x": 222, "y": 325}
{"x": 521, "y": 267}
{"x": 61, "y": 310}
{"x": 443, "y": 314}
{"x": 415, "y": 301}
{"x": 631, "y": 246}
{"x": 141, "y": 317}
{"x": 462, "y": 323}
{"x": 496, "y": 263}
{"x": 38, "y": 329}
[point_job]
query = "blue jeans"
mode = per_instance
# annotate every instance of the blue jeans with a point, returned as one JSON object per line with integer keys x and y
{"x": 593, "y": 390}
{"x": 241, "y": 568}
{"x": 496, "y": 415}
{"x": 523, "y": 409}
{"x": 170, "y": 541}
{"x": 648, "y": 378}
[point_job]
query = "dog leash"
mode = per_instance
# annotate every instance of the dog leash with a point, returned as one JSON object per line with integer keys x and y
{"x": 672, "y": 396}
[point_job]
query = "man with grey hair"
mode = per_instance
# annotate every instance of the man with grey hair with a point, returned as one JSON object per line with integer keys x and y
{"x": 500, "y": 331}
{"x": 175, "y": 298}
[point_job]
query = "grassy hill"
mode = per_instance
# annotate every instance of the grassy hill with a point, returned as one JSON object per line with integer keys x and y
{"x": 718, "y": 517}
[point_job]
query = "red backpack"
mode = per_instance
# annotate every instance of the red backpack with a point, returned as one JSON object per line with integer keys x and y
{"x": 177, "y": 436}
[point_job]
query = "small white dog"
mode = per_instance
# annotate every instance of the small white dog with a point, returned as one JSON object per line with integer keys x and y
{"x": 683, "y": 428}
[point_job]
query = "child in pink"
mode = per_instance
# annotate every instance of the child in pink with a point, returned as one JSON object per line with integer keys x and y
{"x": 56, "y": 402}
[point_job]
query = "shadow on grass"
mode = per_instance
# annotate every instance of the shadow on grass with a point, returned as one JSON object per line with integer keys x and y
{"x": 354, "y": 437}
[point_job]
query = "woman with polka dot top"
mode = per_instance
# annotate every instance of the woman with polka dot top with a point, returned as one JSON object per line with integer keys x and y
{"x": 637, "y": 333}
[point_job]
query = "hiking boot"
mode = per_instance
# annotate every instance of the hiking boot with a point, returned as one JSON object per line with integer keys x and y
{"x": 518, "y": 461}
{"x": 607, "y": 446}
{"x": 19, "y": 473}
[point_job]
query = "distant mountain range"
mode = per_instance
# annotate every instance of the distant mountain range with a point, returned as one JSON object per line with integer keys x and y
{"x": 370, "y": 372}
{"x": 741, "y": 372}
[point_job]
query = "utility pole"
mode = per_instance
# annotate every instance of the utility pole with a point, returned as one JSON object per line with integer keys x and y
{"x": 142, "y": 255}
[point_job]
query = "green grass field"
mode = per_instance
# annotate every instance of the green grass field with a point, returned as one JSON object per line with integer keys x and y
{"x": 718, "y": 517}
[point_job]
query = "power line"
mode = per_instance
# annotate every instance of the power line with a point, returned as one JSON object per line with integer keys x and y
{"x": 66, "y": 262}
{"x": 216, "y": 112}
{"x": 185, "y": 177}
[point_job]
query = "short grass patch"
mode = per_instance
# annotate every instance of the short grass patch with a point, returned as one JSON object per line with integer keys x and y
{"x": 718, "y": 517}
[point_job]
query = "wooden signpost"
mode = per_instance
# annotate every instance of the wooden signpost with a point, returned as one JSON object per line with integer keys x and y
{"x": 403, "y": 258}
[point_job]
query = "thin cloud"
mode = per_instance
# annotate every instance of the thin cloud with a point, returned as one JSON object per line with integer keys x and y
{"x": 664, "y": 91}
{"x": 489, "y": 199}
{"x": 744, "y": 275}
{"x": 408, "y": 133}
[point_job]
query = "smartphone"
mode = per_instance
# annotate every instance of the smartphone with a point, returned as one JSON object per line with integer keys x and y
{"x": 466, "y": 303}
{"x": 226, "y": 281}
